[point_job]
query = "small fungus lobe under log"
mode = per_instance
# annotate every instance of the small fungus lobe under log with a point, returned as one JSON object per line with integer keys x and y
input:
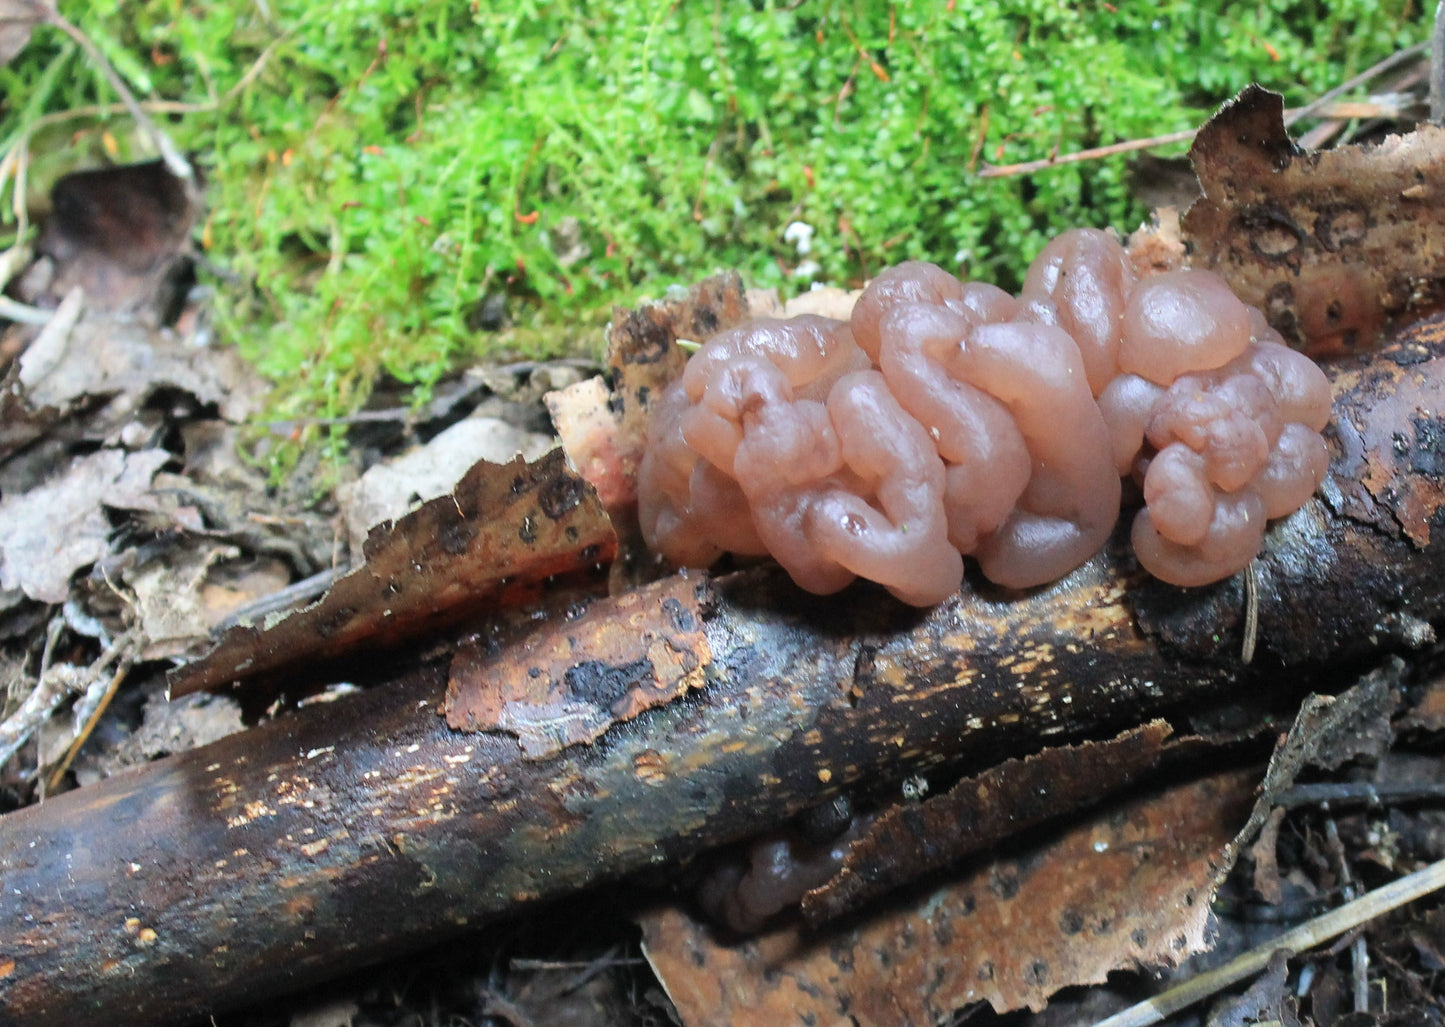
{"x": 950, "y": 418}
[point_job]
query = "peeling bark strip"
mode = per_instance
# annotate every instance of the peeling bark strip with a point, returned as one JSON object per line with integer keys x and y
{"x": 910, "y": 841}
{"x": 1128, "y": 891}
{"x": 350, "y": 831}
{"x": 573, "y": 680}
{"x": 494, "y": 541}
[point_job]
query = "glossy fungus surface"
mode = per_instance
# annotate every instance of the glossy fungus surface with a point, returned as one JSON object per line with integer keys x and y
{"x": 949, "y": 418}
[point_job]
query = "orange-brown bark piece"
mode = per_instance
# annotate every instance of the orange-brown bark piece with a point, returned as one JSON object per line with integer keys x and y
{"x": 1128, "y": 887}
{"x": 1332, "y": 244}
{"x": 606, "y": 442}
{"x": 1377, "y": 453}
{"x": 495, "y": 540}
{"x": 909, "y": 841}
{"x": 573, "y": 680}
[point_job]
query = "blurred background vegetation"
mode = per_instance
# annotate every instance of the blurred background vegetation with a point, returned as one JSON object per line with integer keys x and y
{"x": 379, "y": 170}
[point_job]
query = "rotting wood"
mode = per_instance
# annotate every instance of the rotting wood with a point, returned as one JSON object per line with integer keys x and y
{"x": 347, "y": 832}
{"x": 1010, "y": 928}
{"x": 911, "y": 840}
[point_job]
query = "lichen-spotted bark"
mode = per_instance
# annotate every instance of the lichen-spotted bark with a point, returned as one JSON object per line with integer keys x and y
{"x": 1390, "y": 471}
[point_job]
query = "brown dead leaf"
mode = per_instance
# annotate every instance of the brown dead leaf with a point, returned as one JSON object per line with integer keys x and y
{"x": 108, "y": 368}
{"x": 103, "y": 357}
{"x": 494, "y": 541}
{"x": 1427, "y": 937}
{"x": 50, "y": 532}
{"x": 1267, "y": 1001}
{"x": 121, "y": 235}
{"x": 165, "y": 728}
{"x": 390, "y": 489}
{"x": 190, "y": 588}
{"x": 575, "y": 678}
{"x": 1331, "y": 244}
{"x": 17, "y": 19}
{"x": 1327, "y": 732}
{"x": 1129, "y": 887}
{"x": 166, "y": 593}
{"x": 1330, "y": 730}
{"x": 909, "y": 841}
{"x": 229, "y": 587}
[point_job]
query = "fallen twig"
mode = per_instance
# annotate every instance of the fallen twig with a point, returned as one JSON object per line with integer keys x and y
{"x": 1306, "y": 936}
{"x": 56, "y": 683}
{"x": 176, "y": 163}
{"x": 1316, "y": 108}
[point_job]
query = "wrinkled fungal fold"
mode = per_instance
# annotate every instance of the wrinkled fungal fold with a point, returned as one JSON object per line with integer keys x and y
{"x": 947, "y": 419}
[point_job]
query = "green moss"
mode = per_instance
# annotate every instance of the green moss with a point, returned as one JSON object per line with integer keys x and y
{"x": 377, "y": 168}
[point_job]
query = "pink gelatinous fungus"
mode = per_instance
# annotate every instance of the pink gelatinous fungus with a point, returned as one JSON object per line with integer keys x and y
{"x": 1087, "y": 275}
{"x": 1069, "y": 506}
{"x": 986, "y": 459}
{"x": 950, "y": 418}
{"x": 1181, "y": 321}
{"x": 1230, "y": 447}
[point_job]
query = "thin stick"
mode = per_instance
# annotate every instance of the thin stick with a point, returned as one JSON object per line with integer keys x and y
{"x": 1305, "y": 936}
{"x": 1310, "y": 109}
{"x": 1379, "y": 68}
{"x": 56, "y": 683}
{"x": 1437, "y": 65}
{"x": 1028, "y": 167}
{"x": 283, "y": 599}
{"x": 574, "y": 964}
{"x": 1360, "y": 793}
{"x": 177, "y": 164}
{"x": 1359, "y": 955}
{"x": 1251, "y": 611}
{"x": 85, "y": 732}
{"x": 131, "y": 106}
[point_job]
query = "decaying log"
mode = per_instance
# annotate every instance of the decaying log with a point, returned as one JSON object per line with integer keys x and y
{"x": 349, "y": 831}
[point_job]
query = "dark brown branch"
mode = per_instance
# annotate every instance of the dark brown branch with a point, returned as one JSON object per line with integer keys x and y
{"x": 346, "y": 832}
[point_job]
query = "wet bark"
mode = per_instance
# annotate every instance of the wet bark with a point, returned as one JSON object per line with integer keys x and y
{"x": 345, "y": 832}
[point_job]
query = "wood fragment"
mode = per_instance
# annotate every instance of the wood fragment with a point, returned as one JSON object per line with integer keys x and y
{"x": 339, "y": 834}
{"x": 1010, "y": 928}
{"x": 909, "y": 841}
